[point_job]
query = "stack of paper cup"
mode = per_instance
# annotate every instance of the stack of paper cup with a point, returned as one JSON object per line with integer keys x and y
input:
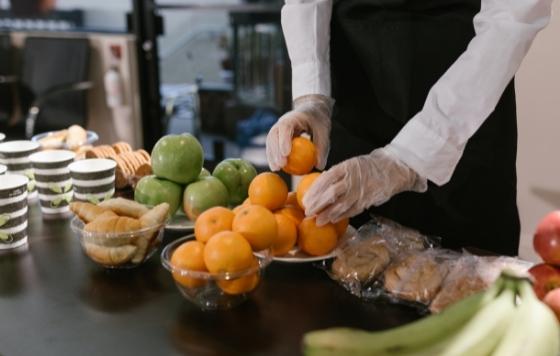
{"x": 93, "y": 179}
{"x": 15, "y": 155}
{"x": 53, "y": 180}
{"x": 13, "y": 211}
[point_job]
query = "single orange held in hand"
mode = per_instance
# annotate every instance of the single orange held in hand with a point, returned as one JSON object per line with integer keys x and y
{"x": 211, "y": 222}
{"x": 302, "y": 157}
{"x": 304, "y": 186}
{"x": 257, "y": 224}
{"x": 243, "y": 284}
{"x": 189, "y": 256}
{"x": 268, "y": 190}
{"x": 227, "y": 251}
{"x": 287, "y": 235}
{"x": 315, "y": 240}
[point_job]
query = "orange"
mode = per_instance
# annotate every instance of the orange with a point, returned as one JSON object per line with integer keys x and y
{"x": 304, "y": 186}
{"x": 291, "y": 199}
{"x": 302, "y": 157}
{"x": 189, "y": 256}
{"x": 341, "y": 226}
{"x": 294, "y": 213}
{"x": 211, "y": 222}
{"x": 227, "y": 251}
{"x": 243, "y": 284}
{"x": 245, "y": 203}
{"x": 287, "y": 235}
{"x": 268, "y": 190}
{"x": 315, "y": 240}
{"x": 257, "y": 225}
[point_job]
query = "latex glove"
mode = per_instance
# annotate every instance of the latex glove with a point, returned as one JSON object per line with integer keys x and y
{"x": 354, "y": 185}
{"x": 311, "y": 114}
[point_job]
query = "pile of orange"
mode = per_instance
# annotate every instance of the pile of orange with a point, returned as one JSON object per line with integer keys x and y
{"x": 271, "y": 218}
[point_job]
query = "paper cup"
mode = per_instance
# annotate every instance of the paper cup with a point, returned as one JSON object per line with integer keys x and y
{"x": 93, "y": 180}
{"x": 15, "y": 156}
{"x": 13, "y": 211}
{"x": 53, "y": 180}
{"x": 3, "y": 169}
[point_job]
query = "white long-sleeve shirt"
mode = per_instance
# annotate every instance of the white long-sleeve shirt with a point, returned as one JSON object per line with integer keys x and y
{"x": 432, "y": 142}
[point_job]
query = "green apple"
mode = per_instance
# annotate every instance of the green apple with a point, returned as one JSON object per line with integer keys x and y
{"x": 236, "y": 174}
{"x": 204, "y": 173}
{"x": 178, "y": 158}
{"x": 152, "y": 191}
{"x": 202, "y": 195}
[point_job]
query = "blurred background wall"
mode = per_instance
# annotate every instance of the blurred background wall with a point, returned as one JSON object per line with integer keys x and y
{"x": 538, "y": 97}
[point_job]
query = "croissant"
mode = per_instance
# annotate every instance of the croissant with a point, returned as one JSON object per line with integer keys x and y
{"x": 110, "y": 223}
{"x": 110, "y": 255}
{"x": 156, "y": 216}
{"x": 125, "y": 207}
{"x": 87, "y": 212}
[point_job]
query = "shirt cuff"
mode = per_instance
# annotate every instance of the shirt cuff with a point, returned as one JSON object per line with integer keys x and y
{"x": 311, "y": 78}
{"x": 433, "y": 157}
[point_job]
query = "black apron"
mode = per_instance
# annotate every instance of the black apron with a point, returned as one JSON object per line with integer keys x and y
{"x": 385, "y": 57}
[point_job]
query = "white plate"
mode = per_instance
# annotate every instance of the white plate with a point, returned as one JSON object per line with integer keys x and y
{"x": 180, "y": 222}
{"x": 296, "y": 256}
{"x": 92, "y": 138}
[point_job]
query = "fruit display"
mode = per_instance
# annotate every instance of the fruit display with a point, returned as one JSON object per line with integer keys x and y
{"x": 204, "y": 194}
{"x": 506, "y": 320}
{"x": 119, "y": 232}
{"x": 178, "y": 158}
{"x": 221, "y": 261}
{"x": 151, "y": 191}
{"x": 236, "y": 174}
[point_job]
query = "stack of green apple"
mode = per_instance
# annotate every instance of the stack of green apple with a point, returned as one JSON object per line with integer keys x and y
{"x": 179, "y": 177}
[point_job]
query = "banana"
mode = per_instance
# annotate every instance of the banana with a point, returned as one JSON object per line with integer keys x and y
{"x": 483, "y": 332}
{"x": 425, "y": 336}
{"x": 534, "y": 329}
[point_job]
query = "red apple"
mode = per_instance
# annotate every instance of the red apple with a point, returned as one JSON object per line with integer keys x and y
{"x": 546, "y": 277}
{"x": 552, "y": 299}
{"x": 547, "y": 238}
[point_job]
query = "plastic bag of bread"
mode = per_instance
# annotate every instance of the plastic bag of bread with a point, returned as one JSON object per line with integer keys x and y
{"x": 362, "y": 259}
{"x": 470, "y": 274}
{"x": 418, "y": 276}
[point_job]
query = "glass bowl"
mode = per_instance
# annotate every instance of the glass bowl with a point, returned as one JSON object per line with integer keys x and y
{"x": 211, "y": 291}
{"x": 119, "y": 250}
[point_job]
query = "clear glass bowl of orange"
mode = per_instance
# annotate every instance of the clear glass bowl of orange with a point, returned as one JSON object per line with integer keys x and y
{"x": 191, "y": 262}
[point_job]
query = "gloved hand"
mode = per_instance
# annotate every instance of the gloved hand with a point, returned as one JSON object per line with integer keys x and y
{"x": 354, "y": 185}
{"x": 311, "y": 114}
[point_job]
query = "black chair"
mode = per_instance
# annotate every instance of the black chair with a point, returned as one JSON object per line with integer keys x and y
{"x": 52, "y": 85}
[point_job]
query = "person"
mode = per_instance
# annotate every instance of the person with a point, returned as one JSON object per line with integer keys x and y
{"x": 420, "y": 126}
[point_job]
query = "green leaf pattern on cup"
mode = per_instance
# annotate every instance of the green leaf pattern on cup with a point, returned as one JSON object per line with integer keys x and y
{"x": 29, "y": 174}
{"x": 67, "y": 187}
{"x": 55, "y": 188}
{"x": 92, "y": 199}
{"x": 108, "y": 196}
{"x": 4, "y": 218}
{"x": 31, "y": 186}
{"x": 65, "y": 198}
{"x": 5, "y": 237}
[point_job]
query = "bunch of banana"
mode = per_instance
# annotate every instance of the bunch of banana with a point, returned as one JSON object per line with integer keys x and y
{"x": 506, "y": 320}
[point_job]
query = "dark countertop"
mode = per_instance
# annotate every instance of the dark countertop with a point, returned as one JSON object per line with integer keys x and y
{"x": 55, "y": 301}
